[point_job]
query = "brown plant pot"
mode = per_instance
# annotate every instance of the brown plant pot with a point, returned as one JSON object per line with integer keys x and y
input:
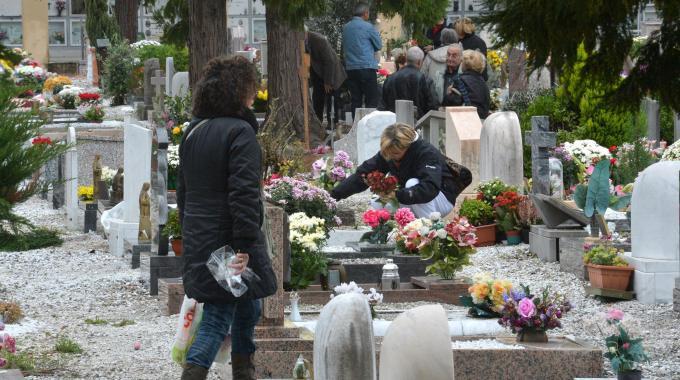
{"x": 609, "y": 277}
{"x": 532, "y": 336}
{"x": 486, "y": 235}
{"x": 177, "y": 246}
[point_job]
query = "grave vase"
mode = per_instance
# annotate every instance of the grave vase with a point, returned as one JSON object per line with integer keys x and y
{"x": 177, "y": 246}
{"x": 294, "y": 310}
{"x": 513, "y": 237}
{"x": 630, "y": 375}
{"x": 532, "y": 336}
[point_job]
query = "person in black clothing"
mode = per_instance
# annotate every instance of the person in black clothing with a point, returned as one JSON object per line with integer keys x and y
{"x": 472, "y": 87}
{"x": 410, "y": 84}
{"x": 452, "y": 84}
{"x": 434, "y": 34}
{"x": 218, "y": 198}
{"x": 426, "y": 184}
{"x": 465, "y": 29}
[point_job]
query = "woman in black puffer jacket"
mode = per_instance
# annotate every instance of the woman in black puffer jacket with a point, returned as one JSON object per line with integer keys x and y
{"x": 218, "y": 196}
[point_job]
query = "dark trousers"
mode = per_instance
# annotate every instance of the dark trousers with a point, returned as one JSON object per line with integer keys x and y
{"x": 363, "y": 87}
{"x": 321, "y": 100}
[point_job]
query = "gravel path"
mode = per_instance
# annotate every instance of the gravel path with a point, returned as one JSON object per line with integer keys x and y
{"x": 59, "y": 288}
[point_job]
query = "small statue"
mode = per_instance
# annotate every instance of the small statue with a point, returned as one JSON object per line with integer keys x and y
{"x": 144, "y": 213}
{"x": 117, "y": 187}
{"x": 96, "y": 174}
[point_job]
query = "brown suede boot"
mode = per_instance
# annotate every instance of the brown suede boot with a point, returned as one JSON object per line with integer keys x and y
{"x": 194, "y": 372}
{"x": 242, "y": 367}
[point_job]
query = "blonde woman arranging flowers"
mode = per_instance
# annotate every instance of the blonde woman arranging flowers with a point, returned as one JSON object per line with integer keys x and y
{"x": 426, "y": 182}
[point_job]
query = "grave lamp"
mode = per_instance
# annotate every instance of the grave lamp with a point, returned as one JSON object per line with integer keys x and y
{"x": 390, "y": 276}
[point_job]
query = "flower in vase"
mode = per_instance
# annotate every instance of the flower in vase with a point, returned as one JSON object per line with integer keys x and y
{"x": 526, "y": 308}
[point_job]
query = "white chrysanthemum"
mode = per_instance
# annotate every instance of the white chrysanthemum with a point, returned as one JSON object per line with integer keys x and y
{"x": 672, "y": 153}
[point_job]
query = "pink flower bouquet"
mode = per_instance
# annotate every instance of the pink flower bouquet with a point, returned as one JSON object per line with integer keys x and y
{"x": 524, "y": 311}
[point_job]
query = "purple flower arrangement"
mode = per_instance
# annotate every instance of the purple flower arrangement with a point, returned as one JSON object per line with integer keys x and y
{"x": 524, "y": 311}
{"x": 330, "y": 175}
{"x": 295, "y": 195}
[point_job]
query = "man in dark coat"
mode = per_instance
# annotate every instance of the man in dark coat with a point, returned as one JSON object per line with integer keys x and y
{"x": 410, "y": 84}
{"x": 326, "y": 75}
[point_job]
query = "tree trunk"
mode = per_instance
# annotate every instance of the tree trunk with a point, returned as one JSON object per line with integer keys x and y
{"x": 207, "y": 34}
{"x": 126, "y": 15}
{"x": 283, "y": 80}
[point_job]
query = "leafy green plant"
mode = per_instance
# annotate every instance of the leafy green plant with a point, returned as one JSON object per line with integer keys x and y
{"x": 180, "y": 55}
{"x": 172, "y": 227}
{"x": 632, "y": 160}
{"x": 94, "y": 114}
{"x": 99, "y": 24}
{"x": 23, "y": 361}
{"x": 604, "y": 254}
{"x": 19, "y": 164}
{"x": 65, "y": 345}
{"x": 117, "y": 72}
{"x": 96, "y": 321}
{"x": 123, "y": 323}
{"x": 595, "y": 196}
{"x": 33, "y": 238}
{"x": 477, "y": 212}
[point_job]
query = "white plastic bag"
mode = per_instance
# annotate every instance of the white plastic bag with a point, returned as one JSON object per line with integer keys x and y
{"x": 187, "y": 326}
{"x": 115, "y": 213}
{"x": 219, "y": 265}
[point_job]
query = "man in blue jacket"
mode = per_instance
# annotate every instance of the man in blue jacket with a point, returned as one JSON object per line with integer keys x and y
{"x": 360, "y": 41}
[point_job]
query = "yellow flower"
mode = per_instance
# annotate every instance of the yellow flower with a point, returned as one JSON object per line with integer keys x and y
{"x": 479, "y": 292}
{"x": 263, "y": 95}
{"x": 6, "y": 64}
{"x": 86, "y": 193}
{"x": 176, "y": 131}
{"x": 59, "y": 80}
{"x": 498, "y": 289}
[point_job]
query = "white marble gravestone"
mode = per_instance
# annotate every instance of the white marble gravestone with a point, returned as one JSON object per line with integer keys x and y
{"x": 417, "y": 345}
{"x": 71, "y": 183}
{"x": 463, "y": 133}
{"x": 343, "y": 341}
{"x": 169, "y": 74}
{"x": 137, "y": 166}
{"x": 350, "y": 143}
{"x": 180, "y": 83}
{"x": 655, "y": 232}
{"x": 369, "y": 130}
{"x": 501, "y": 154}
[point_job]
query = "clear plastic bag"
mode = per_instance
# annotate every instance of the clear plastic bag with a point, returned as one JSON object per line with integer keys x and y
{"x": 219, "y": 266}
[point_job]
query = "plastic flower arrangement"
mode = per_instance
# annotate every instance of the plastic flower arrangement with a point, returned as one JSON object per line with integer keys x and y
{"x": 524, "y": 311}
{"x": 41, "y": 140}
{"x": 94, "y": 114}
{"x": 583, "y": 151}
{"x": 89, "y": 97}
{"x": 506, "y": 207}
{"x": 383, "y": 186}
{"x": 403, "y": 217}
{"x": 86, "y": 193}
{"x": 625, "y": 353}
{"x": 307, "y": 237}
{"x": 487, "y": 296}
{"x": 295, "y": 195}
{"x": 488, "y": 191}
{"x": 672, "y": 153}
{"x": 373, "y": 297}
{"x": 381, "y": 223}
{"x": 56, "y": 82}
{"x": 448, "y": 244}
{"x": 68, "y": 97}
{"x": 30, "y": 74}
{"x": 330, "y": 172}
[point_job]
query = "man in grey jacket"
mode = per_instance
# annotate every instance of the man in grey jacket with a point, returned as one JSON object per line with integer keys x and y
{"x": 434, "y": 64}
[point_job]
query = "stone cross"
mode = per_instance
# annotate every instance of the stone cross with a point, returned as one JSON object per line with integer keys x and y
{"x": 540, "y": 140}
{"x": 158, "y": 81}
{"x": 405, "y": 112}
{"x": 150, "y": 67}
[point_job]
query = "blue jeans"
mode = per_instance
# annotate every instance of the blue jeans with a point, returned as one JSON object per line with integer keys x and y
{"x": 241, "y": 316}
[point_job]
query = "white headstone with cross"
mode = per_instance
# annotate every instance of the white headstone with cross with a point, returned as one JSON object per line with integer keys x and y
{"x": 541, "y": 140}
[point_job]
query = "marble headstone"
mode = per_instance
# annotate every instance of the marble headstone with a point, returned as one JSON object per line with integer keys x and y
{"x": 180, "y": 83}
{"x": 369, "y": 130}
{"x": 350, "y": 142}
{"x": 655, "y": 232}
{"x": 71, "y": 184}
{"x": 417, "y": 345}
{"x": 501, "y": 153}
{"x": 463, "y": 133}
{"x": 343, "y": 341}
{"x": 169, "y": 73}
{"x": 159, "y": 190}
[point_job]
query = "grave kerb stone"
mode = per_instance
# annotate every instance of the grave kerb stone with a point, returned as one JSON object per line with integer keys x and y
{"x": 540, "y": 140}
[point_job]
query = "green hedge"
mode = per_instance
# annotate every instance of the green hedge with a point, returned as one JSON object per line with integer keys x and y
{"x": 180, "y": 55}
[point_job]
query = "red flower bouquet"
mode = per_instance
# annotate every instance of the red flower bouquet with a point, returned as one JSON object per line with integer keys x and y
{"x": 383, "y": 186}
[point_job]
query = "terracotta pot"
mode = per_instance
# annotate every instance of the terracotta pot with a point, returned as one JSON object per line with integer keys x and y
{"x": 177, "y": 246}
{"x": 630, "y": 375}
{"x": 513, "y": 237}
{"x": 609, "y": 277}
{"x": 486, "y": 235}
{"x": 532, "y": 336}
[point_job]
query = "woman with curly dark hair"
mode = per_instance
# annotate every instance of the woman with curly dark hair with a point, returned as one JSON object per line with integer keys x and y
{"x": 218, "y": 197}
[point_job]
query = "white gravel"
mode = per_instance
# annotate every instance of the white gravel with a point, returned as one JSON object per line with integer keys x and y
{"x": 60, "y": 287}
{"x": 484, "y": 344}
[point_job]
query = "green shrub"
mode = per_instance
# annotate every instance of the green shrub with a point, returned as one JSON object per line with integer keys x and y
{"x": 67, "y": 346}
{"x": 117, "y": 72}
{"x": 180, "y": 55}
{"x": 477, "y": 212}
{"x": 632, "y": 159}
{"x": 172, "y": 227}
{"x": 603, "y": 254}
